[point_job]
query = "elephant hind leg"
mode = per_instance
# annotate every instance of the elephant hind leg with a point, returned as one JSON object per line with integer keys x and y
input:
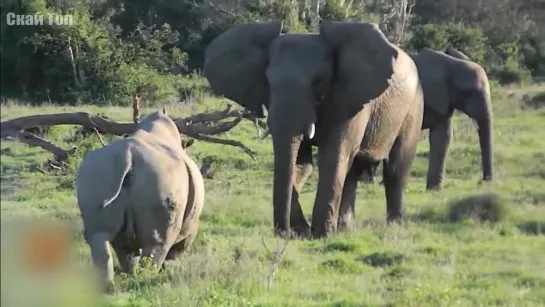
{"x": 102, "y": 259}
{"x": 440, "y": 137}
{"x": 396, "y": 171}
{"x": 347, "y": 211}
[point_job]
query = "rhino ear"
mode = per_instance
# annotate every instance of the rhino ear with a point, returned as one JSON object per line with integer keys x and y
{"x": 165, "y": 110}
{"x": 236, "y": 61}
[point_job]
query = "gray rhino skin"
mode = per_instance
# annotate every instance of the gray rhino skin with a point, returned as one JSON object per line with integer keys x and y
{"x": 141, "y": 193}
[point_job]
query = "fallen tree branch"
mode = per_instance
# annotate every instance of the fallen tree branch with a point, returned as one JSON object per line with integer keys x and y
{"x": 210, "y": 139}
{"x": 33, "y": 140}
{"x": 198, "y": 126}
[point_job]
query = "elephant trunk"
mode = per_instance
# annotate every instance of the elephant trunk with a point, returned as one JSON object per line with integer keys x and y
{"x": 285, "y": 155}
{"x": 291, "y": 118}
{"x": 485, "y": 141}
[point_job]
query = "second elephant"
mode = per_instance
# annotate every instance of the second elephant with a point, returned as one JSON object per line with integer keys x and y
{"x": 452, "y": 82}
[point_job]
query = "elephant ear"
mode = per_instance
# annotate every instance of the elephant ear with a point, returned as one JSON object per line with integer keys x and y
{"x": 364, "y": 63}
{"x": 236, "y": 61}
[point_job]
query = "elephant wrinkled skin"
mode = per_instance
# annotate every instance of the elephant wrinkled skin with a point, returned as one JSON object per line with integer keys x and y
{"x": 141, "y": 192}
{"x": 451, "y": 81}
{"x": 346, "y": 90}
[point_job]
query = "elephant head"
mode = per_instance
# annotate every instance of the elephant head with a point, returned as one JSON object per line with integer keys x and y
{"x": 297, "y": 77}
{"x": 456, "y": 53}
{"x": 452, "y": 81}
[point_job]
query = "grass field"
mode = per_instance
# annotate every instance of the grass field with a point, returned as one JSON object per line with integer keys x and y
{"x": 435, "y": 260}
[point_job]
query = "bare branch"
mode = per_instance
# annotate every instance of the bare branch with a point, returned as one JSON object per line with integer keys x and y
{"x": 210, "y": 139}
{"x": 198, "y": 126}
{"x": 33, "y": 140}
{"x": 276, "y": 259}
{"x": 99, "y": 137}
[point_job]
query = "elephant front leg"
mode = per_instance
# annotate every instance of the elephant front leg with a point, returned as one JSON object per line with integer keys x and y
{"x": 334, "y": 160}
{"x": 303, "y": 169}
{"x": 439, "y": 138}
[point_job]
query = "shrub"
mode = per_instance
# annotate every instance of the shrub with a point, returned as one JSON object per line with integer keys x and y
{"x": 502, "y": 63}
{"x": 470, "y": 41}
{"x": 485, "y": 207}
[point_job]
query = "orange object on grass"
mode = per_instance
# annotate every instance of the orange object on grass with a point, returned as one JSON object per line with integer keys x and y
{"x": 46, "y": 248}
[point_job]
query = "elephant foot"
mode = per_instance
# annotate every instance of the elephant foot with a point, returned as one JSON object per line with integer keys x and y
{"x": 395, "y": 218}
{"x": 346, "y": 225}
{"x": 320, "y": 233}
{"x": 301, "y": 229}
{"x": 299, "y": 225}
{"x": 293, "y": 233}
{"x": 435, "y": 187}
{"x": 284, "y": 234}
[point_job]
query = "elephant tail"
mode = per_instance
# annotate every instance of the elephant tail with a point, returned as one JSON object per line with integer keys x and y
{"x": 121, "y": 169}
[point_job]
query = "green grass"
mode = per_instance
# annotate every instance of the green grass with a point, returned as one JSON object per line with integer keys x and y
{"x": 442, "y": 257}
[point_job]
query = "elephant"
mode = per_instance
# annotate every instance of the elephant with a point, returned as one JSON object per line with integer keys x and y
{"x": 457, "y": 54}
{"x": 142, "y": 193}
{"x": 451, "y": 81}
{"x": 346, "y": 90}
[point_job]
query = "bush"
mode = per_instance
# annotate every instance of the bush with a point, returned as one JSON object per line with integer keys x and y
{"x": 337, "y": 10}
{"x": 485, "y": 207}
{"x": 532, "y": 54}
{"x": 470, "y": 41}
{"x": 503, "y": 64}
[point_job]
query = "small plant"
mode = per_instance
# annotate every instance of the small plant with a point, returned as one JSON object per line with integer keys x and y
{"x": 485, "y": 207}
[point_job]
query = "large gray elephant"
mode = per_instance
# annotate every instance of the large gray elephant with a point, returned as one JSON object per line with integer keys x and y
{"x": 346, "y": 90}
{"x": 142, "y": 192}
{"x": 453, "y": 82}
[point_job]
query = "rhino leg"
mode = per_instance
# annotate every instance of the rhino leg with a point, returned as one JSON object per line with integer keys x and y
{"x": 102, "y": 259}
{"x": 125, "y": 254}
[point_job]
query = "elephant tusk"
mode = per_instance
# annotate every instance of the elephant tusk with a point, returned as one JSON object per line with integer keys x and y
{"x": 311, "y": 131}
{"x": 266, "y": 132}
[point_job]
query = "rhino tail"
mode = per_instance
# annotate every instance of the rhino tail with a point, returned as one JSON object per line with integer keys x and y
{"x": 121, "y": 168}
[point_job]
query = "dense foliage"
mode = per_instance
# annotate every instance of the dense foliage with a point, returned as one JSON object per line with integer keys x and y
{"x": 117, "y": 47}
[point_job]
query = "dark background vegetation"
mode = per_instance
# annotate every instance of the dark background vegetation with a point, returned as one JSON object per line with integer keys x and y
{"x": 156, "y": 46}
